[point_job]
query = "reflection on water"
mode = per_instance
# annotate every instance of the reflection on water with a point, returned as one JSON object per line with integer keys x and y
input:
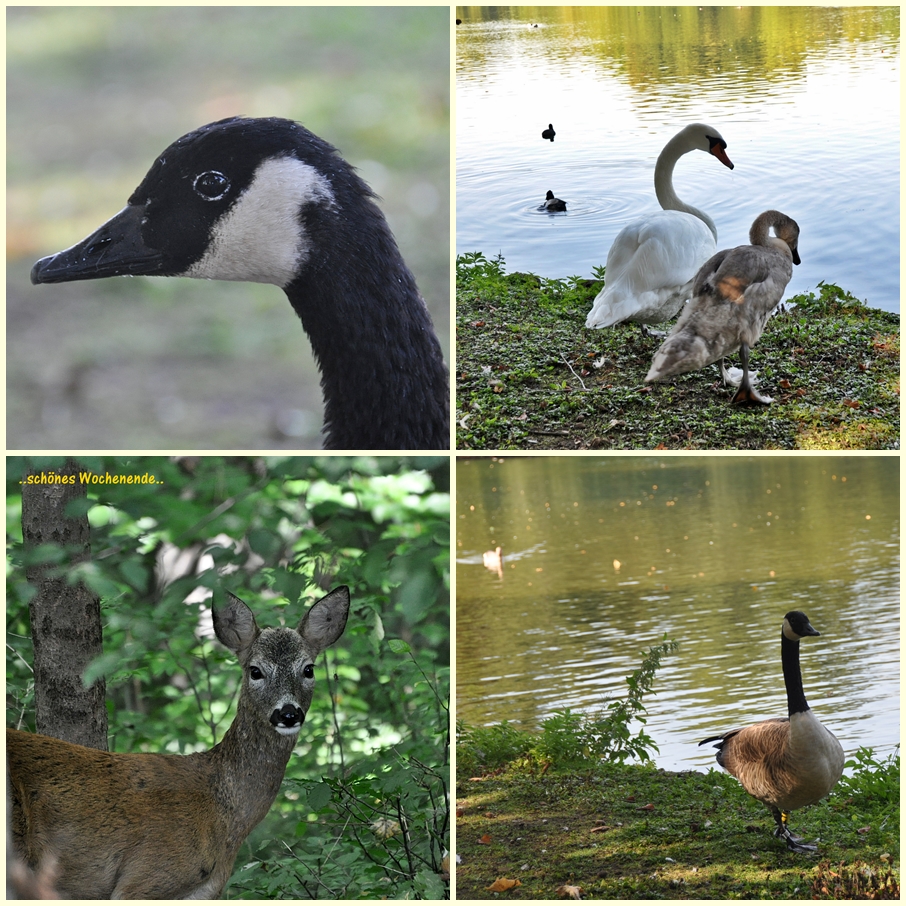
{"x": 791, "y": 89}
{"x": 602, "y": 556}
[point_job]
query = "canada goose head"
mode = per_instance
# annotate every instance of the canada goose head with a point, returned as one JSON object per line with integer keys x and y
{"x": 796, "y": 626}
{"x": 267, "y": 201}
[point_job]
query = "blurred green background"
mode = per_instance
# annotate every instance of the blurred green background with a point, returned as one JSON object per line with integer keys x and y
{"x": 94, "y": 94}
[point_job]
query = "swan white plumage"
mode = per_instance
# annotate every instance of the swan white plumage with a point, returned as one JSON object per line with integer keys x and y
{"x": 493, "y": 560}
{"x": 653, "y": 260}
{"x": 733, "y": 296}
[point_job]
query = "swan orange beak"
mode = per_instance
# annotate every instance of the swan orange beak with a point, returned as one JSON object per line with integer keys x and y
{"x": 721, "y": 155}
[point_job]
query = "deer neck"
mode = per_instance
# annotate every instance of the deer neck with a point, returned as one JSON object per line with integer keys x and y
{"x": 249, "y": 762}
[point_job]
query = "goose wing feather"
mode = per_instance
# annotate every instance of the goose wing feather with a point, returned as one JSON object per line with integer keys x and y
{"x": 743, "y": 753}
{"x": 650, "y": 268}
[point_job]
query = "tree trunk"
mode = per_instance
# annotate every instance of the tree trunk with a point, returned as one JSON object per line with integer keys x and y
{"x": 65, "y": 618}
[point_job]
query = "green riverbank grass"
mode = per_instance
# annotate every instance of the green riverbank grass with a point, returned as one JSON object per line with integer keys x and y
{"x": 627, "y": 831}
{"x": 530, "y": 376}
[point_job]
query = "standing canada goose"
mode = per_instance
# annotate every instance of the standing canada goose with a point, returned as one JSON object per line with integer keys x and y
{"x": 267, "y": 201}
{"x": 553, "y": 204}
{"x": 733, "y": 296}
{"x": 549, "y": 132}
{"x": 785, "y": 762}
{"x": 654, "y": 259}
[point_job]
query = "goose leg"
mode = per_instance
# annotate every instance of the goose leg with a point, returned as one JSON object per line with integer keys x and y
{"x": 782, "y": 830}
{"x": 747, "y": 392}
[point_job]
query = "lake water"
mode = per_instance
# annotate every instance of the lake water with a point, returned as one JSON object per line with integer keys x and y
{"x": 601, "y": 556}
{"x": 806, "y": 98}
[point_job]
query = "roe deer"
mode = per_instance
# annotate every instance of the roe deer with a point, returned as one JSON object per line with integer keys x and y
{"x": 148, "y": 826}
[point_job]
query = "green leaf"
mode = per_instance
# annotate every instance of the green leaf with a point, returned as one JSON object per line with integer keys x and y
{"x": 319, "y": 795}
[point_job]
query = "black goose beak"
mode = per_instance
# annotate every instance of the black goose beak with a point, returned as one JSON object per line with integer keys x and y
{"x": 114, "y": 249}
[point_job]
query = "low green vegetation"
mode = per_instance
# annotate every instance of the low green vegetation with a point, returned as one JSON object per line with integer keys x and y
{"x": 568, "y": 738}
{"x": 560, "y": 814}
{"x": 529, "y": 375}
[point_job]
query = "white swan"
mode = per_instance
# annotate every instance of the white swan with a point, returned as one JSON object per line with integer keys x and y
{"x": 732, "y": 298}
{"x": 493, "y": 560}
{"x": 653, "y": 260}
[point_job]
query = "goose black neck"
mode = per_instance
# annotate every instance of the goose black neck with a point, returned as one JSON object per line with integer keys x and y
{"x": 382, "y": 371}
{"x": 792, "y": 676}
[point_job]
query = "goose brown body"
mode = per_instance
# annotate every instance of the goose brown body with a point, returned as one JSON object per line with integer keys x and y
{"x": 780, "y": 780}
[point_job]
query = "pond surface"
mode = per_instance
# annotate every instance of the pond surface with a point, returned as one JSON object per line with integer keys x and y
{"x": 603, "y": 556}
{"x": 806, "y": 98}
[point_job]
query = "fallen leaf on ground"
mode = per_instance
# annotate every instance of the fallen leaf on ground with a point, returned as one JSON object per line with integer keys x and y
{"x": 502, "y": 884}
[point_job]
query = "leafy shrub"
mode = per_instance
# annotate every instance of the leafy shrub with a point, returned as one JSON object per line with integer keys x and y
{"x": 568, "y": 737}
{"x": 479, "y": 748}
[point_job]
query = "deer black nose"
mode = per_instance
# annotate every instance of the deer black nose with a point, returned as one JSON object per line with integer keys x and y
{"x": 288, "y": 716}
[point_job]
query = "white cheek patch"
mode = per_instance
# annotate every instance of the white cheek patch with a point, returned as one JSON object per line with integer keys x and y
{"x": 260, "y": 238}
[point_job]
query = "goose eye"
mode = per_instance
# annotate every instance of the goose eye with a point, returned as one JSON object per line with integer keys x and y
{"x": 211, "y": 185}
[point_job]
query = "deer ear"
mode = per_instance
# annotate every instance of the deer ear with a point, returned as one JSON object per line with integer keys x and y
{"x": 234, "y": 625}
{"x": 325, "y": 621}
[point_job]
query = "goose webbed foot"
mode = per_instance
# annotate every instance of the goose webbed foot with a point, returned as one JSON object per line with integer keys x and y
{"x": 748, "y": 395}
{"x": 794, "y": 843}
{"x": 795, "y": 847}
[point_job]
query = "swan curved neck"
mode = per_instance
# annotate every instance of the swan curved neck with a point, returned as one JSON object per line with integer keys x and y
{"x": 792, "y": 676}
{"x": 760, "y": 233}
{"x": 663, "y": 181}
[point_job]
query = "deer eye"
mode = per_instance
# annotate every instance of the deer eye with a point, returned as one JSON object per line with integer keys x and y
{"x": 309, "y": 671}
{"x": 255, "y": 673}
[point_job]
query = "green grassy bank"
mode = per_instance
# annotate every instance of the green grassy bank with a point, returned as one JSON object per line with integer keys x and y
{"x": 537, "y": 830}
{"x": 530, "y": 376}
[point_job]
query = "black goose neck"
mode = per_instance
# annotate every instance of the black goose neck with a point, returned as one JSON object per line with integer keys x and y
{"x": 382, "y": 370}
{"x": 792, "y": 676}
